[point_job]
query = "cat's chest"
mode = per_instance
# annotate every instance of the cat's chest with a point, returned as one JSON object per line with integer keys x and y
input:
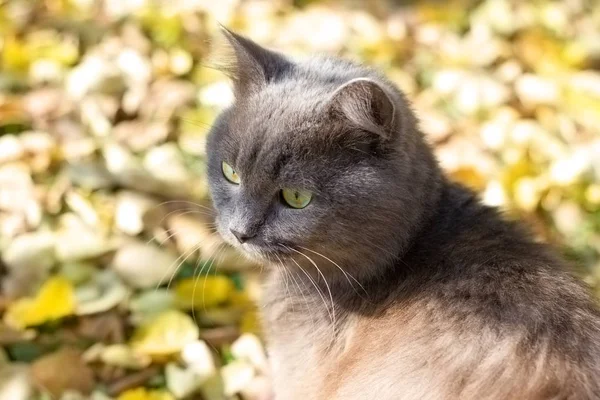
{"x": 361, "y": 359}
{"x": 301, "y": 345}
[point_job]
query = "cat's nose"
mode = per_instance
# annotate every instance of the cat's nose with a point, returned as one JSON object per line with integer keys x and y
{"x": 241, "y": 236}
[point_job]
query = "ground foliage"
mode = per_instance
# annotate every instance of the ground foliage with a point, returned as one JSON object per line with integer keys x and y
{"x": 114, "y": 284}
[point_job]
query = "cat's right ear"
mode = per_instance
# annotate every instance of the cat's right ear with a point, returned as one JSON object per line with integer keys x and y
{"x": 249, "y": 65}
{"x": 367, "y": 105}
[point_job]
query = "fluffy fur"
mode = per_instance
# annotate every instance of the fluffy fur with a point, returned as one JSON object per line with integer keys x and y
{"x": 394, "y": 283}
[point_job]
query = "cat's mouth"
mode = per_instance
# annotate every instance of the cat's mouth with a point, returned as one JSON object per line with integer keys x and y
{"x": 261, "y": 250}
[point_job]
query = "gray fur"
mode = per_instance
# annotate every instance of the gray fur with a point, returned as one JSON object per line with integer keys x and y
{"x": 450, "y": 300}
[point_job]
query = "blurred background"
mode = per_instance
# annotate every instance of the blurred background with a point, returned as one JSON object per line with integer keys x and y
{"x": 113, "y": 284}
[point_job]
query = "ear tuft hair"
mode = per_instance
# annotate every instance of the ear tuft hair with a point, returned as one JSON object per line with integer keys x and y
{"x": 249, "y": 65}
{"x": 366, "y": 104}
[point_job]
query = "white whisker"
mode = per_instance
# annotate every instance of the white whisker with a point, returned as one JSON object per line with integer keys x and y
{"x": 301, "y": 293}
{"x": 332, "y": 312}
{"x": 219, "y": 249}
{"x": 285, "y": 280}
{"x": 185, "y": 254}
{"x": 171, "y": 233}
{"x": 346, "y": 274}
{"x": 185, "y": 202}
{"x": 196, "y": 280}
{"x": 184, "y": 212}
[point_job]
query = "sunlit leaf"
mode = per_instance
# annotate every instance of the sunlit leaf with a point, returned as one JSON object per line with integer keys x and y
{"x": 15, "y": 55}
{"x": 546, "y": 54}
{"x": 145, "y": 394}
{"x": 453, "y": 14}
{"x": 119, "y": 355}
{"x": 55, "y": 300}
{"x": 250, "y": 322}
{"x": 470, "y": 176}
{"x": 164, "y": 335}
{"x": 204, "y": 291}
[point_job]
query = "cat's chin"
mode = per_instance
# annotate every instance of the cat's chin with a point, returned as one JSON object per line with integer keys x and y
{"x": 260, "y": 254}
{"x": 263, "y": 254}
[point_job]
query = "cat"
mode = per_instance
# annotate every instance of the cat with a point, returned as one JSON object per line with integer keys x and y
{"x": 385, "y": 280}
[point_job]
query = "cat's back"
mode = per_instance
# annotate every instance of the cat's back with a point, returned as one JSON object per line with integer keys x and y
{"x": 480, "y": 264}
{"x": 484, "y": 313}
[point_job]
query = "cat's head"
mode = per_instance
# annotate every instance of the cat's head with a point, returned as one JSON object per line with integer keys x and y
{"x": 315, "y": 159}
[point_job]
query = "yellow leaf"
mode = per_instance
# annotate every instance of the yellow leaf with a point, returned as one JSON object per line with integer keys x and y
{"x": 204, "y": 292}
{"x": 453, "y": 12}
{"x": 512, "y": 172}
{"x": 15, "y": 55}
{"x": 144, "y": 394}
{"x": 470, "y": 177}
{"x": 165, "y": 335}
{"x": 55, "y": 300}
{"x": 240, "y": 299}
{"x": 250, "y": 322}
{"x": 527, "y": 193}
{"x": 48, "y": 44}
{"x": 592, "y": 194}
{"x": 547, "y": 54}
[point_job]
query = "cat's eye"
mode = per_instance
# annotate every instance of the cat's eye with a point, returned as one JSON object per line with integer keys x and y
{"x": 230, "y": 173}
{"x": 296, "y": 198}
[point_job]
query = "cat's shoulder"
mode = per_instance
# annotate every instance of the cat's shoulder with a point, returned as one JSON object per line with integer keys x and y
{"x": 476, "y": 261}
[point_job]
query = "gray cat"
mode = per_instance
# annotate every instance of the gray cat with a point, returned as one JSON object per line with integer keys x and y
{"x": 386, "y": 280}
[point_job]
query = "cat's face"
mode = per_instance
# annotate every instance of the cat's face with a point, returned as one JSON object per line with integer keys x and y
{"x": 280, "y": 188}
{"x": 306, "y": 162}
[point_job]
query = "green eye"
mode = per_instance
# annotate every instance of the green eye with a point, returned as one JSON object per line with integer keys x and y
{"x": 296, "y": 198}
{"x": 230, "y": 173}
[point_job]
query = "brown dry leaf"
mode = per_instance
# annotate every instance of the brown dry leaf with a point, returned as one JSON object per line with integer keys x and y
{"x": 61, "y": 371}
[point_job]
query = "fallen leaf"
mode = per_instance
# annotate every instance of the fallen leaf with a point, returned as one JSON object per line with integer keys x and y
{"x": 63, "y": 370}
{"x": 166, "y": 334}
{"x": 55, "y": 300}
{"x": 144, "y": 394}
{"x": 204, "y": 291}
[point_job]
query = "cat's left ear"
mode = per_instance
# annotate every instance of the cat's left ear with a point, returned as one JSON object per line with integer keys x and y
{"x": 252, "y": 66}
{"x": 367, "y": 105}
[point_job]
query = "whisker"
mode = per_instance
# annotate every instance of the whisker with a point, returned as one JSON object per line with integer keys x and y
{"x": 184, "y": 212}
{"x": 194, "y": 276}
{"x": 196, "y": 280}
{"x": 287, "y": 289}
{"x": 346, "y": 274}
{"x": 185, "y": 202}
{"x": 185, "y": 256}
{"x": 330, "y": 312}
{"x": 219, "y": 249}
{"x": 172, "y": 232}
{"x": 189, "y": 253}
{"x": 300, "y": 289}
{"x": 163, "y": 241}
